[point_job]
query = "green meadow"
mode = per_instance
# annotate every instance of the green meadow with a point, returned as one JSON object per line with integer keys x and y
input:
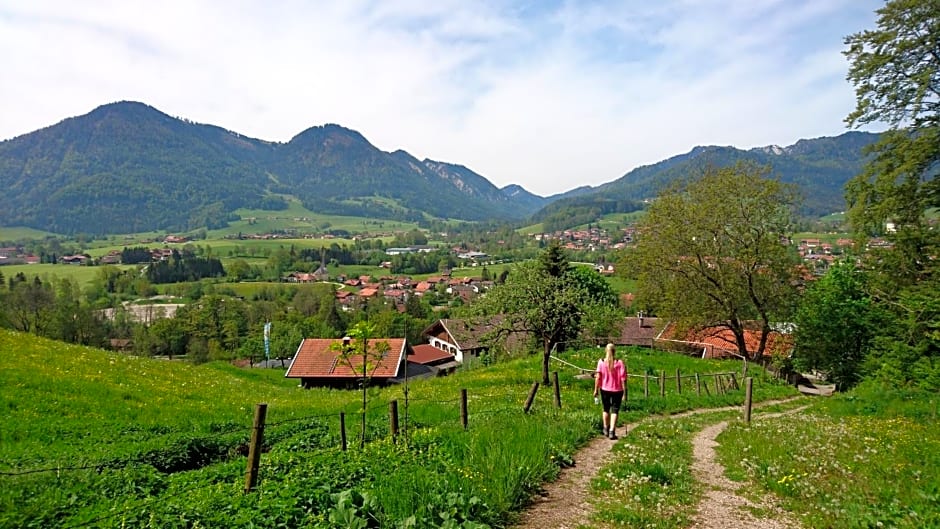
{"x": 96, "y": 439}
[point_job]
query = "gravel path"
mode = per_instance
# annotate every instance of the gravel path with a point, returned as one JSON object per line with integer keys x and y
{"x": 566, "y": 502}
{"x": 722, "y": 507}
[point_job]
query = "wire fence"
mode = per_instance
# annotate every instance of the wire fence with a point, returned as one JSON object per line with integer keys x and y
{"x": 396, "y": 419}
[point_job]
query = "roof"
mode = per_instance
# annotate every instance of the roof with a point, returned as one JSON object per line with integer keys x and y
{"x": 315, "y": 359}
{"x": 722, "y": 339}
{"x": 639, "y": 330}
{"x": 427, "y": 353}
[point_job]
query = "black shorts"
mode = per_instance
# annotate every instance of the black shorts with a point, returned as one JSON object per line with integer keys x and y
{"x": 611, "y": 400}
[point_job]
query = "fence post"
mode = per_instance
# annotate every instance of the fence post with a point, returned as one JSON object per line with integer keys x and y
{"x": 254, "y": 447}
{"x": 531, "y": 397}
{"x": 342, "y": 429}
{"x": 463, "y": 408}
{"x": 678, "y": 382}
{"x": 748, "y": 384}
{"x": 662, "y": 383}
{"x": 646, "y": 386}
{"x": 698, "y": 385}
{"x": 393, "y": 420}
{"x": 557, "y": 389}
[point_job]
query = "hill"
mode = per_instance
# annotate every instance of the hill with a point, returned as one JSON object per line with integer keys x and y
{"x": 126, "y": 167}
{"x": 820, "y": 168}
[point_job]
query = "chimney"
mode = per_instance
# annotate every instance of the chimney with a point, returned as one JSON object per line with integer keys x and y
{"x": 639, "y": 316}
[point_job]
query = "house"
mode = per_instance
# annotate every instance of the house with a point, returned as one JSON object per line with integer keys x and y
{"x": 641, "y": 330}
{"x": 466, "y": 338}
{"x": 433, "y": 360}
{"x": 74, "y": 259}
{"x": 319, "y": 362}
{"x": 718, "y": 342}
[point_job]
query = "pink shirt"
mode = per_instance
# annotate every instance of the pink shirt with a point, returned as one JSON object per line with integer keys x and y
{"x": 611, "y": 379}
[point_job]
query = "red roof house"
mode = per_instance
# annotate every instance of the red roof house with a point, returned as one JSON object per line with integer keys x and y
{"x": 319, "y": 362}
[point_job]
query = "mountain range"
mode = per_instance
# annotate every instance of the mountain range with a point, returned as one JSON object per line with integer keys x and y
{"x": 127, "y": 167}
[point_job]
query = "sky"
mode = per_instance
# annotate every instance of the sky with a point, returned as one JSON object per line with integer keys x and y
{"x": 550, "y": 95}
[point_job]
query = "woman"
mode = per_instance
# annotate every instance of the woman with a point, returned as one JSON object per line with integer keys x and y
{"x": 610, "y": 380}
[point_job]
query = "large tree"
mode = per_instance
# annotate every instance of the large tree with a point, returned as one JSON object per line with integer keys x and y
{"x": 712, "y": 252}
{"x": 835, "y": 325}
{"x": 895, "y": 69}
{"x": 548, "y": 300}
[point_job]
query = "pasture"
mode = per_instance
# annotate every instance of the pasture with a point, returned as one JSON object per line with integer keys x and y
{"x": 96, "y": 439}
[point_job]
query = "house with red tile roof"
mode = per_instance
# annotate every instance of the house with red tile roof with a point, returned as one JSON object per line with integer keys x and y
{"x": 319, "y": 362}
{"x": 719, "y": 342}
{"x": 436, "y": 361}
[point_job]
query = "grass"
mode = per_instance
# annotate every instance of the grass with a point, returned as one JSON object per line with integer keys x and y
{"x": 82, "y": 275}
{"x": 139, "y": 442}
{"x": 647, "y": 480}
{"x": 867, "y": 459}
{"x": 297, "y": 217}
{"x": 21, "y": 233}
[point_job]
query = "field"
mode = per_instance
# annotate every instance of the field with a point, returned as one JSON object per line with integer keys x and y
{"x": 297, "y": 217}
{"x": 104, "y": 440}
{"x": 18, "y": 234}
{"x": 83, "y": 275}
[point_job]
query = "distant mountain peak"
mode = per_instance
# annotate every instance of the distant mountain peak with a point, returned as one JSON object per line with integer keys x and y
{"x": 772, "y": 149}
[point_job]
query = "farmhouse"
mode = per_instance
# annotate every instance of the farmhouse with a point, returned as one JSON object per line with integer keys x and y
{"x": 319, "y": 362}
{"x": 719, "y": 342}
{"x": 641, "y": 330}
{"x": 465, "y": 338}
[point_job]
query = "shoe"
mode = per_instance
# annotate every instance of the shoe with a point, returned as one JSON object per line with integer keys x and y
{"x": 613, "y": 436}
{"x": 606, "y": 432}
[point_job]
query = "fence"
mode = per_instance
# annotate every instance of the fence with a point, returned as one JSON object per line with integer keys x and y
{"x": 466, "y": 408}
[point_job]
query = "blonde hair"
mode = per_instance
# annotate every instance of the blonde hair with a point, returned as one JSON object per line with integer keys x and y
{"x": 609, "y": 358}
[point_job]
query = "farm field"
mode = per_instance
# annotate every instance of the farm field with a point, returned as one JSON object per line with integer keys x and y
{"x": 83, "y": 275}
{"x": 95, "y": 439}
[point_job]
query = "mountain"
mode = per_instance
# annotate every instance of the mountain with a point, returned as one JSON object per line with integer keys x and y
{"x": 819, "y": 167}
{"x": 127, "y": 167}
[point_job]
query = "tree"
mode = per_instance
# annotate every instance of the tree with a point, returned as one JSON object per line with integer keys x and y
{"x": 551, "y": 308}
{"x": 834, "y": 325}
{"x": 363, "y": 356}
{"x": 895, "y": 70}
{"x": 711, "y": 253}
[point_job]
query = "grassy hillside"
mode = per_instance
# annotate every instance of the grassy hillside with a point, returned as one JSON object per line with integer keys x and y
{"x": 104, "y": 440}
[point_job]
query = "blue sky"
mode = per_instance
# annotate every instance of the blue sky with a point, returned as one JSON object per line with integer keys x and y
{"x": 550, "y": 95}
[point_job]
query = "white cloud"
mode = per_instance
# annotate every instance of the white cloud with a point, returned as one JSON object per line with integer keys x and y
{"x": 549, "y": 95}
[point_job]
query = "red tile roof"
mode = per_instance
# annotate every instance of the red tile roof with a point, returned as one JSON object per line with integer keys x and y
{"x": 427, "y": 353}
{"x": 721, "y": 340}
{"x": 315, "y": 359}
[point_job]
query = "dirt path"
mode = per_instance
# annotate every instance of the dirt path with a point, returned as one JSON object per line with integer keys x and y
{"x": 722, "y": 507}
{"x": 566, "y": 502}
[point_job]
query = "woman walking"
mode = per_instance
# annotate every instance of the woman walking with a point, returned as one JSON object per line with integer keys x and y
{"x": 610, "y": 381}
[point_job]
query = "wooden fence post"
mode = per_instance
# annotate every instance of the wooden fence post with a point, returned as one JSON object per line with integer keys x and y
{"x": 393, "y": 420}
{"x": 254, "y": 447}
{"x": 662, "y": 383}
{"x": 342, "y": 429}
{"x": 463, "y": 408}
{"x": 531, "y": 397}
{"x": 678, "y": 382}
{"x": 646, "y": 386}
{"x": 557, "y": 389}
{"x": 748, "y": 385}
